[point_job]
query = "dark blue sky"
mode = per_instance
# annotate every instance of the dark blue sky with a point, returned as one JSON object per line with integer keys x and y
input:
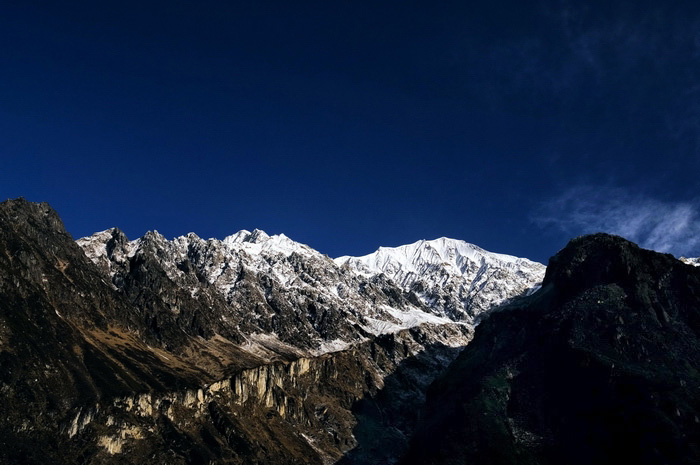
{"x": 349, "y": 125}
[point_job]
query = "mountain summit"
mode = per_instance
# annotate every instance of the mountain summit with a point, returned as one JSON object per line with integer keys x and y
{"x": 454, "y": 278}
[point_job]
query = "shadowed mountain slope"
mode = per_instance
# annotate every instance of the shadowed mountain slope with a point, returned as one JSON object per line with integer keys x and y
{"x": 601, "y": 366}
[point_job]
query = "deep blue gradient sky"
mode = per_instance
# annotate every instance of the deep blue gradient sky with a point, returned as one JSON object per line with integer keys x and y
{"x": 349, "y": 125}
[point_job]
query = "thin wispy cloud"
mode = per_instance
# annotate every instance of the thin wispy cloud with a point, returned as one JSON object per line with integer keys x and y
{"x": 672, "y": 227}
{"x": 654, "y": 50}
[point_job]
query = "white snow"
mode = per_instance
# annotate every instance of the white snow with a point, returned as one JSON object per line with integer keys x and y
{"x": 451, "y": 254}
{"x": 690, "y": 261}
{"x": 403, "y": 319}
{"x": 451, "y": 269}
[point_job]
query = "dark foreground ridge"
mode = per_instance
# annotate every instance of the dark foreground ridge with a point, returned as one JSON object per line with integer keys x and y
{"x": 601, "y": 366}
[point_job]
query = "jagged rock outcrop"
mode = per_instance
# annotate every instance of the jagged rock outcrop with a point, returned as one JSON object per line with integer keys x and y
{"x": 602, "y": 365}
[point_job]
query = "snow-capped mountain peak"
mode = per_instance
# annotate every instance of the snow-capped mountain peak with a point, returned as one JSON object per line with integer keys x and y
{"x": 459, "y": 278}
{"x": 259, "y": 241}
{"x": 452, "y": 254}
{"x": 244, "y": 235}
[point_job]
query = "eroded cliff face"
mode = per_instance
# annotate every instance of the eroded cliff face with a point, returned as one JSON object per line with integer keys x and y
{"x": 285, "y": 412}
{"x": 94, "y": 373}
{"x": 298, "y": 411}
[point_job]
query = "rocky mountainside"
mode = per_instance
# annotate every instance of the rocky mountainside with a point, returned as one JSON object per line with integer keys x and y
{"x": 254, "y": 349}
{"x": 600, "y": 366}
{"x": 270, "y": 290}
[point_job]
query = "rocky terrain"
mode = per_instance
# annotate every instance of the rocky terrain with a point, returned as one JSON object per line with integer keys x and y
{"x": 601, "y": 366}
{"x": 273, "y": 293}
{"x": 253, "y": 349}
{"x": 257, "y": 349}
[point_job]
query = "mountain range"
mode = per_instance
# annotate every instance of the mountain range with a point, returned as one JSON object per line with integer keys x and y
{"x": 258, "y": 349}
